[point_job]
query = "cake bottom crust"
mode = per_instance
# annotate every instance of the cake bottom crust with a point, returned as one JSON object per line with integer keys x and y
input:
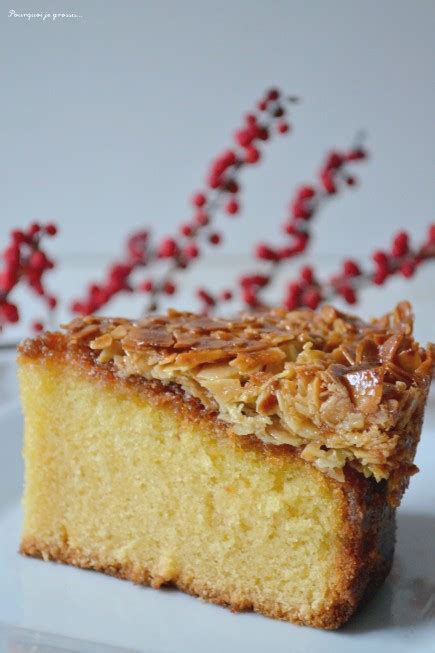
{"x": 330, "y": 619}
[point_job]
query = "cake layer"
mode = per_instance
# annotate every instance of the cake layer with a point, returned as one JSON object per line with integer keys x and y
{"x": 343, "y": 391}
{"x": 134, "y": 478}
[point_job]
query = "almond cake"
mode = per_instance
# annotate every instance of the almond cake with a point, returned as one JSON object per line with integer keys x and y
{"x": 255, "y": 462}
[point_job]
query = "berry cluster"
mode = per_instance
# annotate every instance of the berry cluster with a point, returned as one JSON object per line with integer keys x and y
{"x": 307, "y": 201}
{"x": 401, "y": 259}
{"x": 24, "y": 260}
{"x": 307, "y": 290}
{"x": 118, "y": 276}
{"x": 221, "y": 193}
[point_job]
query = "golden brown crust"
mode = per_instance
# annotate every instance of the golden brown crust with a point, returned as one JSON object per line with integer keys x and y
{"x": 341, "y": 391}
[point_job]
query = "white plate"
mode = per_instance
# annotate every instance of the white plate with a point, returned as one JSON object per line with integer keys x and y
{"x": 50, "y": 607}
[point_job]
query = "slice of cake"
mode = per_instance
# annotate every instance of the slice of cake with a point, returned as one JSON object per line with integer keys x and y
{"x": 256, "y": 462}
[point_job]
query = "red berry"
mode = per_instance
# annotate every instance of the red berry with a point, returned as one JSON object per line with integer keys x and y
{"x": 37, "y": 286}
{"x": 219, "y": 166}
{"x": 215, "y": 238}
{"x": 249, "y": 297}
{"x": 278, "y": 112}
{"x": 407, "y": 269}
{"x": 167, "y": 248}
{"x": 262, "y": 105}
{"x": 186, "y": 230}
{"x": 8, "y": 279}
{"x": 298, "y": 246}
{"x": 77, "y": 307}
{"x": 191, "y": 251}
{"x": 205, "y": 296}
{"x": 301, "y": 242}
{"x": 311, "y": 298}
{"x": 106, "y": 294}
{"x": 245, "y": 280}
{"x": 356, "y": 154}
{"x": 400, "y": 244}
{"x": 351, "y": 181}
{"x": 307, "y": 274}
{"x": 262, "y": 133}
{"x": 232, "y": 207}
{"x": 287, "y": 252}
{"x": 282, "y": 127}
{"x": 9, "y": 312}
{"x": 37, "y": 327}
{"x": 51, "y": 229}
{"x": 214, "y": 181}
{"x": 265, "y": 252}
{"x": 52, "y": 302}
{"x": 229, "y": 157}
{"x": 199, "y": 199}
{"x": 380, "y": 258}
{"x": 18, "y": 237}
{"x": 232, "y": 186}
{"x": 226, "y": 295}
{"x": 251, "y": 119}
{"x": 328, "y": 182}
{"x": 351, "y": 268}
{"x": 289, "y": 228}
{"x": 136, "y": 244}
{"x": 333, "y": 160}
{"x": 94, "y": 290}
{"x": 294, "y": 288}
{"x": 169, "y": 288}
{"x": 252, "y": 155}
{"x": 11, "y": 255}
{"x": 259, "y": 280}
{"x": 34, "y": 229}
{"x": 119, "y": 272}
{"x": 273, "y": 94}
{"x": 306, "y": 192}
{"x": 291, "y": 303}
{"x": 202, "y": 219}
{"x": 243, "y": 137}
{"x": 146, "y": 286}
{"x": 348, "y": 294}
{"x": 97, "y": 296}
{"x": 299, "y": 209}
{"x": 38, "y": 260}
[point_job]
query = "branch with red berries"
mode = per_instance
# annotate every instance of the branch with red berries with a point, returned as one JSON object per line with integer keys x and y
{"x": 307, "y": 202}
{"x": 25, "y": 261}
{"x": 118, "y": 277}
{"x": 221, "y": 194}
{"x": 402, "y": 259}
{"x": 308, "y": 290}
